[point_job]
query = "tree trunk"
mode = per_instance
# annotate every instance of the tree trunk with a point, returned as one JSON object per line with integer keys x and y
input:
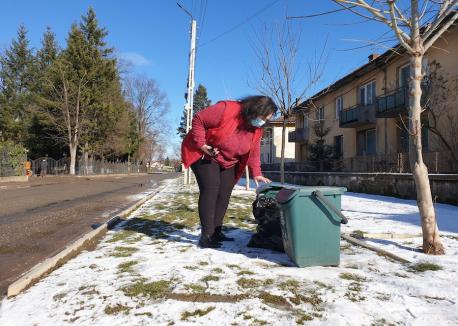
{"x": 72, "y": 158}
{"x": 283, "y": 142}
{"x": 86, "y": 159}
{"x": 431, "y": 240}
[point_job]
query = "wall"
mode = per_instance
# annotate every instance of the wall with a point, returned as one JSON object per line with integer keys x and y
{"x": 290, "y": 150}
{"x": 273, "y": 146}
{"x": 444, "y": 187}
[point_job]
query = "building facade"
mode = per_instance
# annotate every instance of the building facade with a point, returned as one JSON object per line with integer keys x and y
{"x": 271, "y": 142}
{"x": 367, "y": 112}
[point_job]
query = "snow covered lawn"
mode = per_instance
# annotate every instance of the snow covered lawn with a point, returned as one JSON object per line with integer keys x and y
{"x": 148, "y": 271}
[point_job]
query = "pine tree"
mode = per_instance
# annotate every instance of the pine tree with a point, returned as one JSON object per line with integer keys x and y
{"x": 16, "y": 79}
{"x": 84, "y": 89}
{"x": 107, "y": 99}
{"x": 49, "y": 50}
{"x": 201, "y": 101}
{"x": 42, "y": 136}
{"x": 94, "y": 34}
{"x": 321, "y": 153}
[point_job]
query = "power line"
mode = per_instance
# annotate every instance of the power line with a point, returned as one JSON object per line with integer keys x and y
{"x": 320, "y": 14}
{"x": 246, "y": 20}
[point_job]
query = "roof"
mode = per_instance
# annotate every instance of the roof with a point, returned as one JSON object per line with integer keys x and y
{"x": 279, "y": 120}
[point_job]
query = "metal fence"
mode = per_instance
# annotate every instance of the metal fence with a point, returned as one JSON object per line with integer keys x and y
{"x": 437, "y": 162}
{"x": 48, "y": 165}
{"x": 103, "y": 167}
{"x": 11, "y": 166}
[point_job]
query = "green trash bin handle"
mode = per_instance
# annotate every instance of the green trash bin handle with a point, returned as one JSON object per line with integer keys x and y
{"x": 321, "y": 197}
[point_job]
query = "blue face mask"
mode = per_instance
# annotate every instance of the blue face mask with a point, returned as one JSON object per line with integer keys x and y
{"x": 258, "y": 122}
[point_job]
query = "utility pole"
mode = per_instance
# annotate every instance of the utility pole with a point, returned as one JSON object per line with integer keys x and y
{"x": 190, "y": 87}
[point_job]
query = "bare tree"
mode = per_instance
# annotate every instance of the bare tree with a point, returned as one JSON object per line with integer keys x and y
{"x": 415, "y": 40}
{"x": 281, "y": 74}
{"x": 150, "y": 106}
{"x": 441, "y": 89}
{"x": 66, "y": 107}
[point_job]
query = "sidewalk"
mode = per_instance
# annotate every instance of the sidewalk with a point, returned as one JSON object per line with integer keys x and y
{"x": 149, "y": 271}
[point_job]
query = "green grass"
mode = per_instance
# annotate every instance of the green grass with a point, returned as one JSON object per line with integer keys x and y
{"x": 245, "y": 272}
{"x": 323, "y": 285}
{"x": 423, "y": 267}
{"x": 152, "y": 290}
{"x": 271, "y": 299}
{"x": 191, "y": 268}
{"x": 116, "y": 309}
{"x": 382, "y": 296}
{"x": 127, "y": 266}
{"x": 209, "y": 278}
{"x": 123, "y": 251}
{"x": 354, "y": 292}
{"x": 196, "y": 313}
{"x": 217, "y": 270}
{"x": 313, "y": 299}
{"x": 248, "y": 282}
{"x": 121, "y": 236}
{"x": 59, "y": 296}
{"x": 400, "y": 275}
{"x": 352, "y": 277}
{"x": 290, "y": 285}
{"x": 303, "y": 318}
{"x": 268, "y": 282}
{"x": 195, "y": 288}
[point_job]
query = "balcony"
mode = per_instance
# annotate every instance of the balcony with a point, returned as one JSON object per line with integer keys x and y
{"x": 356, "y": 116}
{"x": 300, "y": 135}
{"x": 392, "y": 104}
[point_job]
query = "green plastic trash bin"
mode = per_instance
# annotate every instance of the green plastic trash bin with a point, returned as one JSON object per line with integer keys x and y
{"x": 270, "y": 189}
{"x": 310, "y": 222}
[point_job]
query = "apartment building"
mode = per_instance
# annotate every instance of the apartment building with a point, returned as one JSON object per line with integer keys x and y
{"x": 271, "y": 141}
{"x": 367, "y": 110}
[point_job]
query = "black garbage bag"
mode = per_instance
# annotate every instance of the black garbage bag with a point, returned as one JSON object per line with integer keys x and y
{"x": 267, "y": 215}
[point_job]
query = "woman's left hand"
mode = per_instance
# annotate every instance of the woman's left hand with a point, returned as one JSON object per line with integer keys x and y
{"x": 260, "y": 178}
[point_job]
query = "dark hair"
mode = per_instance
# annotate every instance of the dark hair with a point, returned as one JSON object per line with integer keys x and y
{"x": 257, "y": 106}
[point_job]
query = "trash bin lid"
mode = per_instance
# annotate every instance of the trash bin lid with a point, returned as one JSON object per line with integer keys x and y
{"x": 268, "y": 187}
{"x": 289, "y": 192}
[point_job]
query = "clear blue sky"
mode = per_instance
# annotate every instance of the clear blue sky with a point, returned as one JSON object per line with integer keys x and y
{"x": 155, "y": 36}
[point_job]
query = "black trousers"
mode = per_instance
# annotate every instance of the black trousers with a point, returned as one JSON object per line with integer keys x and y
{"x": 215, "y": 185}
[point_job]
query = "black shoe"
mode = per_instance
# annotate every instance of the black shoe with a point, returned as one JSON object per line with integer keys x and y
{"x": 206, "y": 241}
{"x": 220, "y": 236}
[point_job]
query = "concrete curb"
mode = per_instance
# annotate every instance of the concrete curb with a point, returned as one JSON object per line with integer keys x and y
{"x": 88, "y": 240}
{"x": 110, "y": 175}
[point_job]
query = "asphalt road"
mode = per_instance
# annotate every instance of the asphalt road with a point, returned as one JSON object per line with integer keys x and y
{"x": 40, "y": 217}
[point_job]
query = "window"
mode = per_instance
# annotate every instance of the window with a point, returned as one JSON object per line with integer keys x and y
{"x": 338, "y": 146}
{"x": 366, "y": 142}
{"x": 267, "y": 137}
{"x": 404, "y": 75}
{"x": 404, "y": 140}
{"x": 304, "y": 122}
{"x": 320, "y": 114}
{"x": 339, "y": 106}
{"x": 367, "y": 94}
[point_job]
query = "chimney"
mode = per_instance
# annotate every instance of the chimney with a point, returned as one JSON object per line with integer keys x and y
{"x": 373, "y": 56}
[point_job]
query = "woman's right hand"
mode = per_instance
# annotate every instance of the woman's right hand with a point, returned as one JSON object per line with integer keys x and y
{"x": 207, "y": 149}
